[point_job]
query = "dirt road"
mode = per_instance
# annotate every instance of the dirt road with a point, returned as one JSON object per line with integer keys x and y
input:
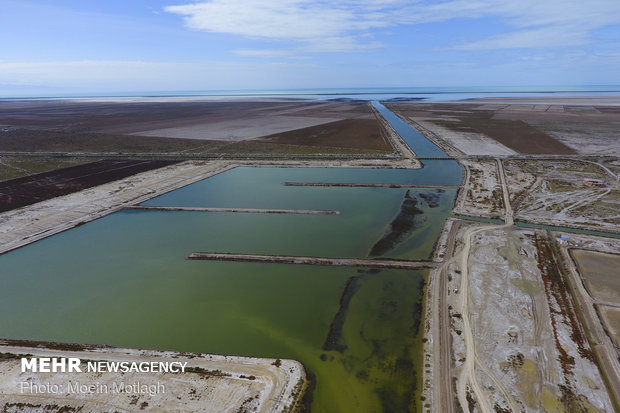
{"x": 443, "y": 398}
{"x": 508, "y": 218}
{"x": 468, "y": 373}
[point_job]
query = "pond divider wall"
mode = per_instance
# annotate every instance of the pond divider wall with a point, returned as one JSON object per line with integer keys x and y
{"x": 285, "y": 259}
{"x": 243, "y": 210}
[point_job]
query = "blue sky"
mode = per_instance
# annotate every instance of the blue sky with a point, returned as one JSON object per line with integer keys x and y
{"x": 82, "y": 46}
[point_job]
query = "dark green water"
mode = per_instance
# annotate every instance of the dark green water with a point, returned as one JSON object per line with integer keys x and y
{"x": 123, "y": 280}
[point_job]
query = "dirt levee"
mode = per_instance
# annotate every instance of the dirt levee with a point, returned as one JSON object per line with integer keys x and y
{"x": 28, "y": 190}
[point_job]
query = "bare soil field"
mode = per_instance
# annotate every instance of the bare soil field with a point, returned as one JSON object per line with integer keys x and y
{"x": 600, "y": 274}
{"x": 209, "y": 383}
{"x": 42, "y": 140}
{"x": 239, "y": 129}
{"x": 469, "y": 143}
{"x": 472, "y": 122}
{"x": 555, "y": 192}
{"x": 528, "y": 126}
{"x": 529, "y": 349}
{"x": 31, "y": 189}
{"x": 184, "y": 126}
{"x": 610, "y": 316}
{"x": 588, "y": 137}
{"x": 482, "y": 193}
{"x": 360, "y": 133}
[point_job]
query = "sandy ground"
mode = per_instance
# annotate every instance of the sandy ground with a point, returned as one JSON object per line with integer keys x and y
{"x": 227, "y": 384}
{"x": 518, "y": 330}
{"x": 481, "y": 195}
{"x": 585, "y": 138}
{"x": 560, "y": 196}
{"x": 239, "y": 129}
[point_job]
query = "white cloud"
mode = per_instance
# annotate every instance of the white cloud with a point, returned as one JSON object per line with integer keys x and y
{"x": 324, "y": 26}
{"x": 265, "y": 53}
{"x": 544, "y": 37}
{"x": 320, "y": 26}
{"x": 279, "y": 19}
{"x": 338, "y": 44}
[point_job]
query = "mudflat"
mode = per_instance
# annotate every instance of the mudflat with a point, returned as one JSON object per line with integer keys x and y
{"x": 600, "y": 274}
{"x": 187, "y": 126}
{"x": 558, "y": 126}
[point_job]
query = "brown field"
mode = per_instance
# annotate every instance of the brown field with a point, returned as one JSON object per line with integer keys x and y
{"x": 583, "y": 125}
{"x": 28, "y": 140}
{"x": 238, "y": 129}
{"x": 361, "y": 133}
{"x": 513, "y": 131}
{"x": 28, "y": 190}
{"x": 192, "y": 127}
{"x": 611, "y": 320}
{"x": 599, "y": 272}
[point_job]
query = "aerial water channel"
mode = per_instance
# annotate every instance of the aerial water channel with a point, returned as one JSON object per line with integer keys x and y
{"x": 123, "y": 280}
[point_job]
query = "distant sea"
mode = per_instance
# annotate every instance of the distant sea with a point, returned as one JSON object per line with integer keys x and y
{"x": 383, "y": 94}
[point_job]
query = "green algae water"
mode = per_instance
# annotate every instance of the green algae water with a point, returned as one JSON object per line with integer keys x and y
{"x": 123, "y": 280}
